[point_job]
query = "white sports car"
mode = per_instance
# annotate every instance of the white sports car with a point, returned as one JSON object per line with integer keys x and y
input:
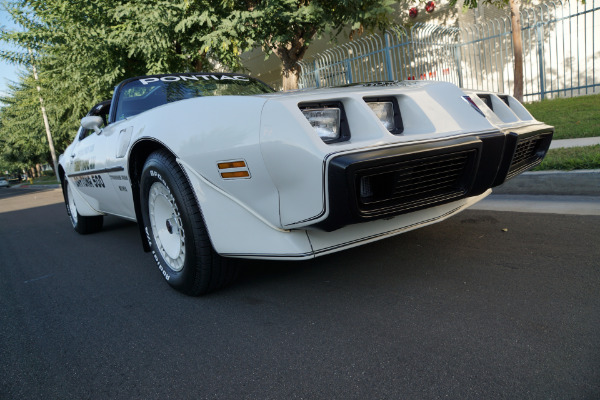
{"x": 215, "y": 166}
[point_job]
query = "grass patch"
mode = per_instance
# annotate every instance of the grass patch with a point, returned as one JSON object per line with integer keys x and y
{"x": 571, "y": 158}
{"x": 574, "y": 117}
{"x": 45, "y": 180}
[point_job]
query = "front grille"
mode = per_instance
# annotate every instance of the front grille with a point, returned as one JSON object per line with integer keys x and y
{"x": 415, "y": 183}
{"x": 527, "y": 154}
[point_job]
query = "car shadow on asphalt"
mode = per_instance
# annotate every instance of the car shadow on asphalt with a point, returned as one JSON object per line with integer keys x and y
{"x": 112, "y": 223}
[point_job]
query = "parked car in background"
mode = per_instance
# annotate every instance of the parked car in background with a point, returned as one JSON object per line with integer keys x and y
{"x": 217, "y": 166}
{"x": 4, "y": 183}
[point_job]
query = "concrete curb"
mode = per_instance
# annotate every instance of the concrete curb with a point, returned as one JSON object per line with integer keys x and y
{"x": 559, "y": 183}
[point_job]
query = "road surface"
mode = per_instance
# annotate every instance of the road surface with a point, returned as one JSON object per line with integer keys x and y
{"x": 485, "y": 305}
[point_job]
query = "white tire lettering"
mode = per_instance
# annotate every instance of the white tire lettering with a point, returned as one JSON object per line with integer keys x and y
{"x": 160, "y": 267}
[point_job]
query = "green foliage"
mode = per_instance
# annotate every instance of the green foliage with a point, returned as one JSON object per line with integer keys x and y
{"x": 571, "y": 158}
{"x": 78, "y": 66}
{"x": 22, "y": 135}
{"x": 287, "y": 27}
{"x": 169, "y": 36}
{"x": 573, "y": 117}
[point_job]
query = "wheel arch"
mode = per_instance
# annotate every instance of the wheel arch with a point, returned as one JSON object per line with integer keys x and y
{"x": 61, "y": 172}
{"x": 61, "y": 176}
{"x": 139, "y": 153}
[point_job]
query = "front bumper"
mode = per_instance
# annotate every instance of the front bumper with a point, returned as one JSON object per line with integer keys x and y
{"x": 374, "y": 184}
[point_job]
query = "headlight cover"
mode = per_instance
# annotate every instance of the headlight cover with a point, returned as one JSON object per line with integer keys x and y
{"x": 385, "y": 112}
{"x": 328, "y": 119}
{"x": 325, "y": 121}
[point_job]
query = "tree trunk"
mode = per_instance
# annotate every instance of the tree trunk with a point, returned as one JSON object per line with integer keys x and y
{"x": 515, "y": 19}
{"x": 290, "y": 70}
{"x": 289, "y": 54}
{"x": 199, "y": 63}
{"x": 290, "y": 74}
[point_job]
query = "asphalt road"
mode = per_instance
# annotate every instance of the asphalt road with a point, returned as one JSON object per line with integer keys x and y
{"x": 459, "y": 310}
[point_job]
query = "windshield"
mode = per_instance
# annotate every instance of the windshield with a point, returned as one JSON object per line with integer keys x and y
{"x": 142, "y": 94}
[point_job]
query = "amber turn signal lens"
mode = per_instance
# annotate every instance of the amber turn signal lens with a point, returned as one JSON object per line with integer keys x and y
{"x": 232, "y": 164}
{"x": 236, "y": 174}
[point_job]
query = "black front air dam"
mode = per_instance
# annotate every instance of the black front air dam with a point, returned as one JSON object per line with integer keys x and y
{"x": 525, "y": 148}
{"x": 375, "y": 184}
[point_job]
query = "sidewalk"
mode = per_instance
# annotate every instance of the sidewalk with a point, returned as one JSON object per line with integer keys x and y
{"x": 564, "y": 143}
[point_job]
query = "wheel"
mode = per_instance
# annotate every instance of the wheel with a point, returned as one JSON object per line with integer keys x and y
{"x": 81, "y": 224}
{"x": 176, "y": 231}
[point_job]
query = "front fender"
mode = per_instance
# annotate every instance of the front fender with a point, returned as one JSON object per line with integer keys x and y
{"x": 204, "y": 132}
{"x": 235, "y": 230}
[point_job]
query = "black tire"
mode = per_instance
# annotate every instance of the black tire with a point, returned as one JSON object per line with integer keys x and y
{"x": 82, "y": 224}
{"x": 176, "y": 232}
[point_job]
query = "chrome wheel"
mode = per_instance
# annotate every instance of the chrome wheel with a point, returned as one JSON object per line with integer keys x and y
{"x": 167, "y": 228}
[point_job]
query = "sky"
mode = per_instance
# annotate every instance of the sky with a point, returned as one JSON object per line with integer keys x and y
{"x": 8, "y": 72}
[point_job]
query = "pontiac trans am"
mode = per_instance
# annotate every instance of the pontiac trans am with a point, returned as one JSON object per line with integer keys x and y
{"x": 218, "y": 166}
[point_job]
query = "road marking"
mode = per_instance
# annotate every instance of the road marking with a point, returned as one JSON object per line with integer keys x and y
{"x": 40, "y": 278}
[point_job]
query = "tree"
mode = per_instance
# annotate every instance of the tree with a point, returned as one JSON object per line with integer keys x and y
{"x": 515, "y": 19}
{"x": 77, "y": 65}
{"x": 22, "y": 135}
{"x": 287, "y": 27}
{"x": 83, "y": 49}
{"x": 170, "y": 35}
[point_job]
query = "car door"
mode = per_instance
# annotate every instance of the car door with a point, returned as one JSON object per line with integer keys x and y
{"x": 90, "y": 169}
{"x": 97, "y": 160}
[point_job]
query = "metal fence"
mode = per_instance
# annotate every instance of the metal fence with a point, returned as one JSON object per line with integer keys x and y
{"x": 560, "y": 57}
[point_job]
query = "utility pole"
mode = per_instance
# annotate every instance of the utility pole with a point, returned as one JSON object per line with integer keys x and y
{"x": 45, "y": 117}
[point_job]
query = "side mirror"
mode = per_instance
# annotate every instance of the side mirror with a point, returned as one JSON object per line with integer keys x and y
{"x": 92, "y": 122}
